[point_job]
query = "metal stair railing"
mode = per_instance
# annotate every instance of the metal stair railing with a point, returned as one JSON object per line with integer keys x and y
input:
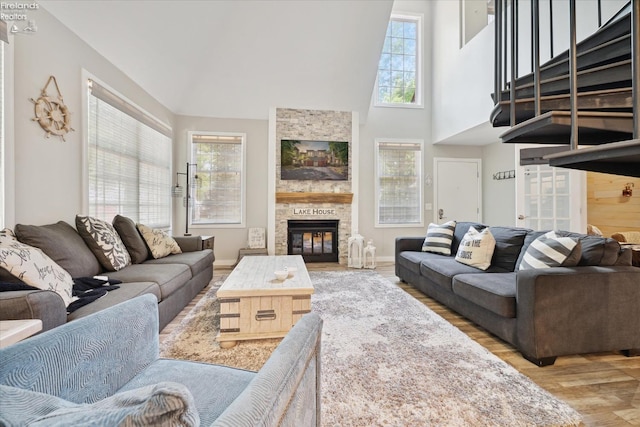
{"x": 509, "y": 42}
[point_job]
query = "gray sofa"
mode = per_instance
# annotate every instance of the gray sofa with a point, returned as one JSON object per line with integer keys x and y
{"x": 174, "y": 280}
{"x": 55, "y": 378}
{"x": 544, "y": 313}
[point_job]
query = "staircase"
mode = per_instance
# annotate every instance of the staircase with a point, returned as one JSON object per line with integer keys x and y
{"x": 585, "y": 96}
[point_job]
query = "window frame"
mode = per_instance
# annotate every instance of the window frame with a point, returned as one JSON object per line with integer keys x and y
{"x": 420, "y": 180}
{"x": 144, "y": 118}
{"x": 419, "y": 98}
{"x": 243, "y": 184}
{"x": 3, "y": 162}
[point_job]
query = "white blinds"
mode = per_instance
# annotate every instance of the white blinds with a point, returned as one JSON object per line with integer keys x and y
{"x": 219, "y": 188}
{"x": 399, "y": 183}
{"x": 4, "y": 33}
{"x": 129, "y": 161}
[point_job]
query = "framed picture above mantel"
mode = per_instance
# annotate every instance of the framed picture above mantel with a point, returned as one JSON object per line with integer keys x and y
{"x": 314, "y": 160}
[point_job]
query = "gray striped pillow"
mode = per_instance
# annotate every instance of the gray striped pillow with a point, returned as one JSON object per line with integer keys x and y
{"x": 439, "y": 238}
{"x": 549, "y": 250}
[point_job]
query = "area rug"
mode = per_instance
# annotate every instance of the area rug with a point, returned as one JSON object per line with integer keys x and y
{"x": 388, "y": 360}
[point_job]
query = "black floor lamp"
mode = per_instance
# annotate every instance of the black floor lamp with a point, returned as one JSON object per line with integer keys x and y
{"x": 177, "y": 192}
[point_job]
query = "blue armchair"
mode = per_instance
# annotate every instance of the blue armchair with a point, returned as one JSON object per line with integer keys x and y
{"x": 105, "y": 367}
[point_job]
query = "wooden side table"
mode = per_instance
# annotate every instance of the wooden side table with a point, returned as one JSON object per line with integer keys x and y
{"x": 12, "y": 331}
{"x": 635, "y": 252}
{"x": 243, "y": 252}
{"x": 207, "y": 242}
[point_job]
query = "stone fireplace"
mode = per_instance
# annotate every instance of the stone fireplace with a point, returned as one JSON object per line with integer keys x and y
{"x": 318, "y": 201}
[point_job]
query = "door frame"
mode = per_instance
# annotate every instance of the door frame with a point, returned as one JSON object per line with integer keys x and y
{"x": 436, "y": 161}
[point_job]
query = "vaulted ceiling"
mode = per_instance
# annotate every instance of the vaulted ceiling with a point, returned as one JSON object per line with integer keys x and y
{"x": 237, "y": 59}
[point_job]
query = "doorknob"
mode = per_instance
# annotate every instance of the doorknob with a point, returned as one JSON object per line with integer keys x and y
{"x": 521, "y": 217}
{"x": 440, "y": 213}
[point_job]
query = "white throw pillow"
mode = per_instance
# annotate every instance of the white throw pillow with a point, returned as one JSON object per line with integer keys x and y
{"x": 439, "y": 238}
{"x": 549, "y": 250}
{"x": 476, "y": 248}
{"x": 160, "y": 243}
{"x": 34, "y": 267}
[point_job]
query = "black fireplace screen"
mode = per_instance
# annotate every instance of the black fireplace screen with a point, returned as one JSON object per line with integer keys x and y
{"x": 315, "y": 240}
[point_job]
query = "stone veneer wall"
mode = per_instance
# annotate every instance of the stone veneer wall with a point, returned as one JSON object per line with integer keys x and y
{"x": 313, "y": 125}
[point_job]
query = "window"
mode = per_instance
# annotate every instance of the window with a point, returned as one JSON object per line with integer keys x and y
{"x": 220, "y": 185}
{"x": 399, "y": 183}
{"x": 399, "y": 71}
{"x": 129, "y": 161}
{"x": 547, "y": 198}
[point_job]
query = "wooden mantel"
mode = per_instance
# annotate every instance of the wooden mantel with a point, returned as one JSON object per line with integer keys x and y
{"x": 300, "y": 197}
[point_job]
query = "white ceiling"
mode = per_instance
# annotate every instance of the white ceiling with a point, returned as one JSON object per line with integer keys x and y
{"x": 237, "y": 59}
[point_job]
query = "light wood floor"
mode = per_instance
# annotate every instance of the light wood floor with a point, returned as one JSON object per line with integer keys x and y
{"x": 604, "y": 387}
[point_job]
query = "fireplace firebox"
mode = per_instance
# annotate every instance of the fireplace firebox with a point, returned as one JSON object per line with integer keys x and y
{"x": 315, "y": 240}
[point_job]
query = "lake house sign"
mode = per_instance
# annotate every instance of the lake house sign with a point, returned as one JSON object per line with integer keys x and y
{"x": 314, "y": 211}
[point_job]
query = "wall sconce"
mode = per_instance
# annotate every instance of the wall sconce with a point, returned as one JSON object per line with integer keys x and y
{"x": 177, "y": 192}
{"x": 627, "y": 191}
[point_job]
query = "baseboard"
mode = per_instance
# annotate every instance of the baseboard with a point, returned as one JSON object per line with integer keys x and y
{"x": 232, "y": 262}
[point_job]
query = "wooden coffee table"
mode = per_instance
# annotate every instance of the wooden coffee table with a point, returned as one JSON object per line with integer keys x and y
{"x": 256, "y": 305}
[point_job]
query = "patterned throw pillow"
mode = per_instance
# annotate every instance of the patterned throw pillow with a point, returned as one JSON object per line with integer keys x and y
{"x": 439, "y": 238}
{"x": 549, "y": 250}
{"x": 33, "y": 267}
{"x": 160, "y": 243}
{"x": 476, "y": 248}
{"x": 104, "y": 242}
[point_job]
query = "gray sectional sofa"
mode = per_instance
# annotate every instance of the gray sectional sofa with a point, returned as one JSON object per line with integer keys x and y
{"x": 174, "y": 279}
{"x": 545, "y": 312}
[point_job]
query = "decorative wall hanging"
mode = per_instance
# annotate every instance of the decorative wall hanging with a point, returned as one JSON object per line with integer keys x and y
{"x": 51, "y": 113}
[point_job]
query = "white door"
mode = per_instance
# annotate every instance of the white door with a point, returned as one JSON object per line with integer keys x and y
{"x": 550, "y": 198}
{"x": 458, "y": 190}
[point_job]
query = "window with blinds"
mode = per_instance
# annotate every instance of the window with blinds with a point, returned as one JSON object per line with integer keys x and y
{"x": 129, "y": 161}
{"x": 219, "y": 194}
{"x": 399, "y": 183}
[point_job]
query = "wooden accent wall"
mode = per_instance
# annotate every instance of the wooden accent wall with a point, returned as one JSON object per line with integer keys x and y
{"x": 607, "y": 209}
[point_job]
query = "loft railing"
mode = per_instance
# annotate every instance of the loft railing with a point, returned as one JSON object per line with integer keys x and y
{"x": 507, "y": 46}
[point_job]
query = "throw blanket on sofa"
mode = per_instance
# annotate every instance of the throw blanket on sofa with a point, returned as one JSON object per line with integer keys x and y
{"x": 86, "y": 289}
{"x": 89, "y": 289}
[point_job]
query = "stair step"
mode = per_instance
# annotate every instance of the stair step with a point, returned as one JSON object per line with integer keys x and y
{"x": 608, "y": 53}
{"x": 614, "y": 28}
{"x": 554, "y": 127}
{"x": 620, "y": 158}
{"x": 614, "y": 35}
{"x": 616, "y": 100}
{"x": 610, "y": 76}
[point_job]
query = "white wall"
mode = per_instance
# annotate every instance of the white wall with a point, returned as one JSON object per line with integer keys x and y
{"x": 228, "y": 240}
{"x": 461, "y": 78}
{"x": 499, "y": 196}
{"x": 404, "y": 123}
{"x": 48, "y": 171}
